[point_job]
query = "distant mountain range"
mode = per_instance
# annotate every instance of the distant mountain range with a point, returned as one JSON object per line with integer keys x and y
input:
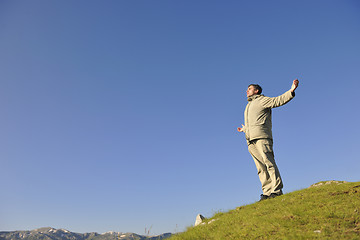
{"x": 49, "y": 233}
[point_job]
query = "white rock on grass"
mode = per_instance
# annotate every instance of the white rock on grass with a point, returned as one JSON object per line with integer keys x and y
{"x": 326, "y": 183}
{"x": 211, "y": 221}
{"x": 199, "y": 220}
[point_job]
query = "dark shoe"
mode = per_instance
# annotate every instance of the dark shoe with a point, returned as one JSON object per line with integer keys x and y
{"x": 274, "y": 195}
{"x": 263, "y": 197}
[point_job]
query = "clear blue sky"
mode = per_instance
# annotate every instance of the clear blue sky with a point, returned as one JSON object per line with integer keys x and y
{"x": 122, "y": 115}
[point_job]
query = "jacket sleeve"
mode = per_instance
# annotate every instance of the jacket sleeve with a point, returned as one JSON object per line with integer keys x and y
{"x": 273, "y": 102}
{"x": 245, "y": 130}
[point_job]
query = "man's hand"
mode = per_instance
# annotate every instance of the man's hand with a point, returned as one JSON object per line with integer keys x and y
{"x": 294, "y": 85}
{"x": 241, "y": 129}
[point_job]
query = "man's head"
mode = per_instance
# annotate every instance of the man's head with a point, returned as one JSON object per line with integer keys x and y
{"x": 253, "y": 89}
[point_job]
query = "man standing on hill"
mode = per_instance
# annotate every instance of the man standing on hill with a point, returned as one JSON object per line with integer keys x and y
{"x": 258, "y": 135}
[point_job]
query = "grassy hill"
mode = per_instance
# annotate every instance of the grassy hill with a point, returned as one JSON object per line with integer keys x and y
{"x": 326, "y": 210}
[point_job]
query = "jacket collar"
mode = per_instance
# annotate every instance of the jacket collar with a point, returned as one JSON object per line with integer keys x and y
{"x": 253, "y": 97}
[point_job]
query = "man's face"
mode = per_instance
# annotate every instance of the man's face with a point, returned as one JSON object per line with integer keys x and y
{"x": 251, "y": 91}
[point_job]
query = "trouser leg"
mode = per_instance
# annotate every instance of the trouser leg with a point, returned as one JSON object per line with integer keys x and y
{"x": 269, "y": 175}
{"x": 261, "y": 169}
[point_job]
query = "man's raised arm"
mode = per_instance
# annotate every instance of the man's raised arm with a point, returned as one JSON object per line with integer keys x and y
{"x": 273, "y": 102}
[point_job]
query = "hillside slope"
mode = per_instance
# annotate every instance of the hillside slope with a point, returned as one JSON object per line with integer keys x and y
{"x": 326, "y": 210}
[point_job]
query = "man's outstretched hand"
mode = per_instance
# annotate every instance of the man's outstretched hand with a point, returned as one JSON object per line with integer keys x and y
{"x": 294, "y": 85}
{"x": 241, "y": 129}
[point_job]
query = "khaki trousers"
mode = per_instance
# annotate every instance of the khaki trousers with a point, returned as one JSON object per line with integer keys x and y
{"x": 262, "y": 152}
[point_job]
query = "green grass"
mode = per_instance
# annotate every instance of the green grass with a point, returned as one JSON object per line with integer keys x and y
{"x": 329, "y": 211}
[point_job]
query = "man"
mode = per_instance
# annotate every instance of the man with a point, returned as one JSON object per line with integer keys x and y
{"x": 258, "y": 135}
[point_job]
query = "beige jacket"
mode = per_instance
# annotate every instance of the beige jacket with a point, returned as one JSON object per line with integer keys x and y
{"x": 258, "y": 114}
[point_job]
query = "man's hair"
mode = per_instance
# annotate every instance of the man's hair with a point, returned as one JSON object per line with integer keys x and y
{"x": 257, "y": 87}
